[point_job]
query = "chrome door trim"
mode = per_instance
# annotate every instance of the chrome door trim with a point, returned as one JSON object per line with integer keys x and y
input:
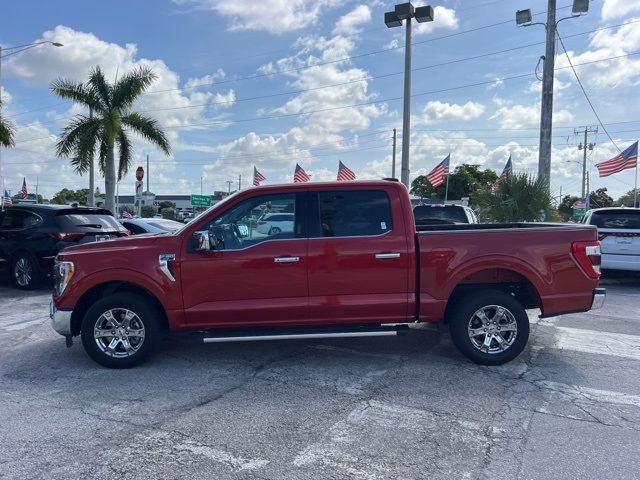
{"x": 286, "y": 259}
{"x": 387, "y": 255}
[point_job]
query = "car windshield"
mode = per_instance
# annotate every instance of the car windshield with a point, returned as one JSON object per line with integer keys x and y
{"x": 616, "y": 219}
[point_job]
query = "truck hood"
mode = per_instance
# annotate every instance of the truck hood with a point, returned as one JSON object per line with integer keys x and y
{"x": 109, "y": 245}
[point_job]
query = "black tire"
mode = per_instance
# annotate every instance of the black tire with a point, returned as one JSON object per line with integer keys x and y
{"x": 124, "y": 354}
{"x": 465, "y": 318}
{"x": 26, "y": 273}
{"x": 274, "y": 231}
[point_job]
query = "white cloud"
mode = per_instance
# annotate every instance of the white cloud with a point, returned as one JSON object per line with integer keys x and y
{"x": 206, "y": 80}
{"x": 443, "y": 19}
{"x": 351, "y": 22}
{"x": 224, "y": 100}
{"x": 436, "y": 111}
{"x": 526, "y": 116}
{"x": 612, "y": 9}
{"x": 273, "y": 16}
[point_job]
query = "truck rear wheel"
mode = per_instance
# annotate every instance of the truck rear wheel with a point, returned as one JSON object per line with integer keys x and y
{"x": 120, "y": 331}
{"x": 489, "y": 327}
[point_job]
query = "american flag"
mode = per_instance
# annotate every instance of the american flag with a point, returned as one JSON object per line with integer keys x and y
{"x": 345, "y": 174}
{"x": 580, "y": 203}
{"x": 300, "y": 175}
{"x": 126, "y": 215}
{"x": 622, "y": 161}
{"x": 6, "y": 199}
{"x": 25, "y": 194}
{"x": 506, "y": 173}
{"x": 257, "y": 177}
{"x": 437, "y": 175}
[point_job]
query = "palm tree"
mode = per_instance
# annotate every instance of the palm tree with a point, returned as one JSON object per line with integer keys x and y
{"x": 517, "y": 198}
{"x": 7, "y": 130}
{"x": 109, "y": 124}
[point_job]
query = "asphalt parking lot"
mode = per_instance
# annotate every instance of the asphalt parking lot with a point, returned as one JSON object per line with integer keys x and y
{"x": 381, "y": 408}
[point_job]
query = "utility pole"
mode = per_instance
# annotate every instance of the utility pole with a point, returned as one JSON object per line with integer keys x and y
{"x": 229, "y": 182}
{"x": 584, "y": 145}
{"x": 587, "y": 191}
{"x": 393, "y": 157}
{"x": 239, "y": 182}
{"x": 36, "y": 189}
{"x": 200, "y": 184}
{"x": 148, "y": 173}
{"x": 546, "y": 114}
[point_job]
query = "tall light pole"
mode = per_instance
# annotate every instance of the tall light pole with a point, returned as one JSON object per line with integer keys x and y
{"x": 524, "y": 18}
{"x": 13, "y": 51}
{"x": 406, "y": 11}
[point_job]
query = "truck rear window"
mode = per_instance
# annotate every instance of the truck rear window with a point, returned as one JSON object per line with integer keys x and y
{"x": 616, "y": 219}
{"x": 87, "y": 222}
{"x": 451, "y": 213}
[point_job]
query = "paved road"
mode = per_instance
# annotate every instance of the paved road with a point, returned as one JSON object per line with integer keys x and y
{"x": 399, "y": 408}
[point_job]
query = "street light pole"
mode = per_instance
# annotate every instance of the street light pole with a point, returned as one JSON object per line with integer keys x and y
{"x": 525, "y": 18}
{"x": 406, "y": 11}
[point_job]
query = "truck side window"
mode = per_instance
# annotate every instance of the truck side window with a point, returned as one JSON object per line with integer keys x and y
{"x": 358, "y": 213}
{"x": 255, "y": 220}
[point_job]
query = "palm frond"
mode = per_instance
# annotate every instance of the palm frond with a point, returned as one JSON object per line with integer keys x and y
{"x": 131, "y": 86}
{"x": 74, "y": 91}
{"x": 85, "y": 146}
{"x": 149, "y": 129}
{"x": 66, "y": 146}
{"x": 99, "y": 87}
{"x": 124, "y": 146}
{"x": 7, "y": 133}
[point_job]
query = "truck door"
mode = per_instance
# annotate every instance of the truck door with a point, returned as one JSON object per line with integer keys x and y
{"x": 358, "y": 257}
{"x": 250, "y": 275}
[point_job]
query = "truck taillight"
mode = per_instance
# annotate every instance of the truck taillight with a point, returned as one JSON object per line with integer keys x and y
{"x": 587, "y": 254}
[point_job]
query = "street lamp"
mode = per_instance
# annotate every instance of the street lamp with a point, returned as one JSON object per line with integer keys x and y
{"x": 524, "y": 18}
{"x": 13, "y": 51}
{"x": 406, "y": 11}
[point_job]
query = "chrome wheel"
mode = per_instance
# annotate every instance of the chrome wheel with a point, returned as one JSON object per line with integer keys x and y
{"x": 23, "y": 272}
{"x": 119, "y": 332}
{"x": 492, "y": 329}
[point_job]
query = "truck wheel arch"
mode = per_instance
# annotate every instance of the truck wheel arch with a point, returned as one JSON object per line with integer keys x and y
{"x": 110, "y": 287}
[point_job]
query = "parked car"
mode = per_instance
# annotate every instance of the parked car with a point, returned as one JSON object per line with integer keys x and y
{"x": 355, "y": 264}
{"x": 32, "y": 235}
{"x": 275, "y": 223}
{"x": 137, "y": 226}
{"x": 434, "y": 214}
{"x": 619, "y": 233}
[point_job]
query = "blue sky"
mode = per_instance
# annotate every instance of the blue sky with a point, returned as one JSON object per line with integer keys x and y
{"x": 327, "y": 86}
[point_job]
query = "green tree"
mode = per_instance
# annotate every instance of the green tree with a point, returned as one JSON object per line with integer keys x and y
{"x": 627, "y": 199}
{"x": 109, "y": 126}
{"x": 519, "y": 198}
{"x": 464, "y": 181}
{"x": 565, "y": 209}
{"x": 167, "y": 204}
{"x": 600, "y": 199}
{"x": 7, "y": 131}
{"x": 67, "y": 195}
{"x": 148, "y": 211}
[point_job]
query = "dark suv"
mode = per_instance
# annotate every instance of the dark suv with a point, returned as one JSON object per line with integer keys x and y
{"x": 32, "y": 235}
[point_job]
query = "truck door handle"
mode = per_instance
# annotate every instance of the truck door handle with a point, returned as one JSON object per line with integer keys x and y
{"x": 286, "y": 259}
{"x": 387, "y": 255}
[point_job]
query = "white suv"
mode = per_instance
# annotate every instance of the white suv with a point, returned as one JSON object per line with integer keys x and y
{"x": 619, "y": 233}
{"x": 274, "y": 223}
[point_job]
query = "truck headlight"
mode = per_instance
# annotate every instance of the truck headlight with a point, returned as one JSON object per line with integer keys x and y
{"x": 62, "y": 273}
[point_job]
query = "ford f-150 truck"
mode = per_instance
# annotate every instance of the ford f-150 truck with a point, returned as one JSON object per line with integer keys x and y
{"x": 354, "y": 264}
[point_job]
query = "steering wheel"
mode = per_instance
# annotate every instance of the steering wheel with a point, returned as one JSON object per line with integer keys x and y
{"x": 237, "y": 234}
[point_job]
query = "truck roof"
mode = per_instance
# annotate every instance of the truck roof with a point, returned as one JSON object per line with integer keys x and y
{"x": 326, "y": 185}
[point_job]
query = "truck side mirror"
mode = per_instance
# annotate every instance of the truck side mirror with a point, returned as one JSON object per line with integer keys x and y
{"x": 200, "y": 242}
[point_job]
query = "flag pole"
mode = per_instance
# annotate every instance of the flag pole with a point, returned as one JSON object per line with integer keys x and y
{"x": 635, "y": 188}
{"x": 446, "y": 189}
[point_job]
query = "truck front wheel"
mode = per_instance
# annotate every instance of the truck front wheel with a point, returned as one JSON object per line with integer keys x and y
{"x": 120, "y": 331}
{"x": 489, "y": 327}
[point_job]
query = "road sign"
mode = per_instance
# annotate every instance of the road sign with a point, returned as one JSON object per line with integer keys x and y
{"x": 579, "y": 212}
{"x": 200, "y": 201}
{"x": 139, "y": 173}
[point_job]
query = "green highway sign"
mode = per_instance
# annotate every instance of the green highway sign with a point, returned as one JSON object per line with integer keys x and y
{"x": 579, "y": 212}
{"x": 200, "y": 201}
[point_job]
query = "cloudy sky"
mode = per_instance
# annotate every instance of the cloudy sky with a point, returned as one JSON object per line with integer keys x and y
{"x": 275, "y": 82}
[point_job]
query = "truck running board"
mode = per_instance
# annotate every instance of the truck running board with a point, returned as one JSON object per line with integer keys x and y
{"x": 301, "y": 334}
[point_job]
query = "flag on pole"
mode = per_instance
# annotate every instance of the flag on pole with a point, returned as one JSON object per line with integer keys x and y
{"x": 580, "y": 203}
{"x": 345, "y": 174}
{"x": 6, "y": 199}
{"x": 622, "y": 161}
{"x": 506, "y": 173}
{"x": 257, "y": 177}
{"x": 126, "y": 215}
{"x": 437, "y": 176}
{"x": 300, "y": 176}
{"x": 24, "y": 192}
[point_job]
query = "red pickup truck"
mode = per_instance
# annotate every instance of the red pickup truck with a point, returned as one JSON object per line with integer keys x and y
{"x": 322, "y": 260}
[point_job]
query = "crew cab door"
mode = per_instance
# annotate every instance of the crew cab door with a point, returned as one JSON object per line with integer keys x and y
{"x": 358, "y": 257}
{"x": 248, "y": 277}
